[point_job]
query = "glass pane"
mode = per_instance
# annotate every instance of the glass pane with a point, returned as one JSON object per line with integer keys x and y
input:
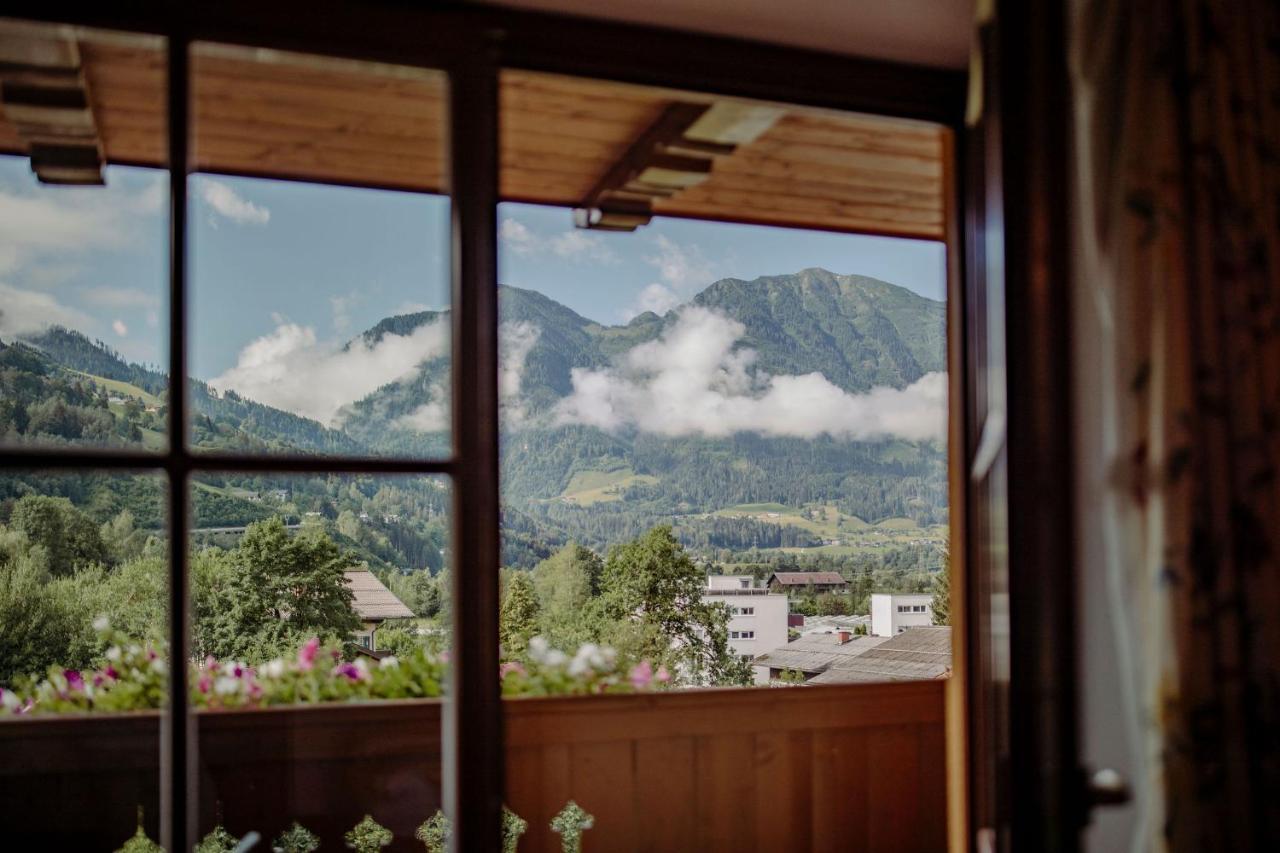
{"x": 320, "y": 260}
{"x": 83, "y": 669}
{"x": 317, "y": 599}
{"x": 83, "y": 241}
{"x": 724, "y": 457}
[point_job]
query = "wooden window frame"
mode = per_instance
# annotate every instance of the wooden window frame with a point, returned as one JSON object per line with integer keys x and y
{"x": 471, "y": 44}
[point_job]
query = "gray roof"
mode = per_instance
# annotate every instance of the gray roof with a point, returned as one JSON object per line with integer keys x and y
{"x": 806, "y": 578}
{"x": 373, "y": 601}
{"x": 817, "y": 652}
{"x": 917, "y": 653}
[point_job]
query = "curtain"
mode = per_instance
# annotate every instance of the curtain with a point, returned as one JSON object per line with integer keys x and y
{"x": 1177, "y": 115}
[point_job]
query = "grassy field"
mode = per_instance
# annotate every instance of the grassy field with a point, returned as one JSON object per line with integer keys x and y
{"x": 592, "y": 487}
{"x": 851, "y": 534}
{"x": 123, "y": 389}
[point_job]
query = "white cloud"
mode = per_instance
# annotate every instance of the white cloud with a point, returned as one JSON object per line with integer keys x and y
{"x": 120, "y": 328}
{"x": 26, "y": 311}
{"x": 432, "y": 416}
{"x": 226, "y": 202}
{"x": 119, "y": 297}
{"x": 682, "y": 271}
{"x": 291, "y": 370}
{"x": 517, "y": 237}
{"x": 578, "y": 244}
{"x": 515, "y": 341}
{"x": 70, "y": 220}
{"x": 571, "y": 245}
{"x": 692, "y": 381}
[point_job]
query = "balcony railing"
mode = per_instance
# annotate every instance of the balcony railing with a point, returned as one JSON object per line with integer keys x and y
{"x": 857, "y": 768}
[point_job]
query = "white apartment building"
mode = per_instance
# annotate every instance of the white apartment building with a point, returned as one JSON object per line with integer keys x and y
{"x": 893, "y": 613}
{"x": 758, "y": 617}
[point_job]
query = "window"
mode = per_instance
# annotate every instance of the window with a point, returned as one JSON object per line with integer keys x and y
{"x": 348, "y": 389}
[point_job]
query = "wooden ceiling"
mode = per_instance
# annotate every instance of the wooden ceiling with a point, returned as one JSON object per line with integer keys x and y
{"x": 276, "y": 115}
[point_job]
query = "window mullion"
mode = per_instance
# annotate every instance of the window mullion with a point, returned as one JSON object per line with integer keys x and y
{"x": 177, "y": 749}
{"x": 473, "y": 720}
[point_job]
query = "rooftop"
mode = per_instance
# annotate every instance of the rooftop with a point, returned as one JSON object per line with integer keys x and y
{"x": 373, "y": 601}
{"x": 806, "y": 578}
{"x": 818, "y": 652}
{"x": 917, "y": 653}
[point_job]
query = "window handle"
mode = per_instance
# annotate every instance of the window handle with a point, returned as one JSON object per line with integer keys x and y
{"x": 1106, "y": 787}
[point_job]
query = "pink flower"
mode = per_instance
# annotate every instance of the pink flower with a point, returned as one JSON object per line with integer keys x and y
{"x": 211, "y": 664}
{"x": 75, "y": 681}
{"x": 509, "y": 667}
{"x": 444, "y": 656}
{"x": 663, "y": 676}
{"x": 351, "y": 671}
{"x": 110, "y": 672}
{"x": 205, "y": 684}
{"x": 641, "y": 675}
{"x": 307, "y": 654}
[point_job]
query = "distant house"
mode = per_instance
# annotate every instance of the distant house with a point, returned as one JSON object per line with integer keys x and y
{"x": 757, "y": 616}
{"x": 374, "y": 604}
{"x": 893, "y": 613}
{"x": 801, "y": 581}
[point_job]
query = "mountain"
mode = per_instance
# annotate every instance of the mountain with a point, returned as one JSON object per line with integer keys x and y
{"x": 566, "y": 478}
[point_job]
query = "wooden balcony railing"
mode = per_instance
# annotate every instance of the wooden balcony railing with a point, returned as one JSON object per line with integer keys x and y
{"x": 858, "y": 768}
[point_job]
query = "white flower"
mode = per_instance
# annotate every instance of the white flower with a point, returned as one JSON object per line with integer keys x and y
{"x": 158, "y": 666}
{"x": 113, "y": 653}
{"x": 225, "y": 685}
{"x": 134, "y": 650}
{"x": 8, "y": 700}
{"x": 555, "y": 658}
{"x": 389, "y": 662}
{"x": 102, "y": 623}
{"x": 538, "y": 648}
{"x": 273, "y": 668}
{"x": 363, "y": 666}
{"x": 587, "y": 659}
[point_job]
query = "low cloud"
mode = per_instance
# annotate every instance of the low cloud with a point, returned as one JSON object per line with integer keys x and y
{"x": 291, "y": 369}
{"x": 29, "y": 311}
{"x": 515, "y": 341}
{"x": 432, "y": 416}
{"x": 118, "y": 326}
{"x": 228, "y": 204}
{"x": 692, "y": 381}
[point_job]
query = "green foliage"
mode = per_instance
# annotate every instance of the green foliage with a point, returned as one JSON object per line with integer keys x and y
{"x": 296, "y": 839}
{"x": 568, "y": 589}
{"x": 276, "y": 589}
{"x": 942, "y": 593}
{"x": 569, "y": 824}
{"x": 513, "y": 826}
{"x": 69, "y": 537}
{"x": 217, "y": 841}
{"x": 434, "y": 833}
{"x": 368, "y": 836}
{"x": 518, "y": 620}
{"x": 139, "y": 842}
{"x": 654, "y": 580}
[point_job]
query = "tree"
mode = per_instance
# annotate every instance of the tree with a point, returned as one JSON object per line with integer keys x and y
{"x": 279, "y": 590}
{"x": 567, "y": 585}
{"x": 69, "y": 537}
{"x": 942, "y": 592}
{"x": 518, "y": 620}
{"x": 651, "y": 579}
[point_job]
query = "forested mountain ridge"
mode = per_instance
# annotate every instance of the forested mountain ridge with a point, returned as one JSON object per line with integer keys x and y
{"x": 566, "y": 480}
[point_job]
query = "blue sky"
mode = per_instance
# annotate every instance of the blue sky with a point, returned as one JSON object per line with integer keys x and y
{"x": 329, "y": 262}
